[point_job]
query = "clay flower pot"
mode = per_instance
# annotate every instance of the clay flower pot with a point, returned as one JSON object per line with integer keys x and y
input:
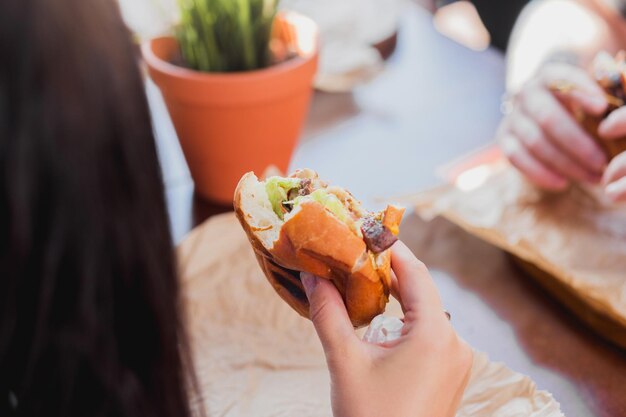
{"x": 231, "y": 123}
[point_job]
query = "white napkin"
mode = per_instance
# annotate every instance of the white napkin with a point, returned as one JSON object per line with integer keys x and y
{"x": 348, "y": 31}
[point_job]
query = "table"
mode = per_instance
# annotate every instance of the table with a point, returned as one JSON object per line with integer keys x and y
{"x": 435, "y": 102}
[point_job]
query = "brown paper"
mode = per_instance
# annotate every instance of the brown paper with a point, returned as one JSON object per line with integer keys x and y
{"x": 256, "y": 357}
{"x": 574, "y": 243}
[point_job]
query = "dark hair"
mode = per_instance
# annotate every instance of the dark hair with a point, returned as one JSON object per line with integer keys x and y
{"x": 90, "y": 323}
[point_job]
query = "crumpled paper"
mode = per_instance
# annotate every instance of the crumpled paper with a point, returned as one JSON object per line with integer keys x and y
{"x": 149, "y": 18}
{"x": 255, "y": 357}
{"x": 383, "y": 329}
{"x": 349, "y": 29}
{"x": 577, "y": 238}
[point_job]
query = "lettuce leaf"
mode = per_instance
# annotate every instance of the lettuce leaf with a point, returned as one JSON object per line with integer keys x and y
{"x": 330, "y": 201}
{"x": 277, "y": 189}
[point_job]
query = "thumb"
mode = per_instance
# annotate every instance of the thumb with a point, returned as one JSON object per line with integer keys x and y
{"x": 614, "y": 126}
{"x": 328, "y": 314}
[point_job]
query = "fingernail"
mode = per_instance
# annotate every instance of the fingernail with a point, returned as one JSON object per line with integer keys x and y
{"x": 309, "y": 282}
{"x": 605, "y": 125}
{"x": 614, "y": 190}
{"x": 598, "y": 103}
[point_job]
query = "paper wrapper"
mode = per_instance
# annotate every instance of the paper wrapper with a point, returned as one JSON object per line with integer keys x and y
{"x": 349, "y": 31}
{"x": 256, "y": 357}
{"x": 573, "y": 243}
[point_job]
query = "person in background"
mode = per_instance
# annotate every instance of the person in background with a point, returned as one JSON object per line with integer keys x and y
{"x": 555, "y": 41}
{"x": 498, "y": 16}
{"x": 91, "y": 321}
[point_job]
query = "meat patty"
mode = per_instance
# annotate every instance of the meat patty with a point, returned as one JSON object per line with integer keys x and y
{"x": 376, "y": 236}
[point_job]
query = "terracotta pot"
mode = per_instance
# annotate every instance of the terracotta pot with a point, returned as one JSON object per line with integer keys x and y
{"x": 231, "y": 123}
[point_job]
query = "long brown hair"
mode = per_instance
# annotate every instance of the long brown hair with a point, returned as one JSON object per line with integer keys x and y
{"x": 90, "y": 323}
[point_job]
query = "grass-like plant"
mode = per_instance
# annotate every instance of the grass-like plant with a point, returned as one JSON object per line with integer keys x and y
{"x": 226, "y": 35}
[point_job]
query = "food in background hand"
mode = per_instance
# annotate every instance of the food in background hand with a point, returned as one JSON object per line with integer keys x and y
{"x": 610, "y": 74}
{"x": 300, "y": 223}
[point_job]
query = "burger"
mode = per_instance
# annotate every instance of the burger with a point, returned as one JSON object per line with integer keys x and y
{"x": 301, "y": 223}
{"x": 610, "y": 73}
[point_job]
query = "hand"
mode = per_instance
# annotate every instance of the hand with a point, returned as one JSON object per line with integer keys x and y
{"x": 614, "y": 178}
{"x": 543, "y": 140}
{"x": 423, "y": 373}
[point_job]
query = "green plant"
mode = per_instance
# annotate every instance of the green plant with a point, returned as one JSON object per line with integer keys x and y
{"x": 226, "y": 35}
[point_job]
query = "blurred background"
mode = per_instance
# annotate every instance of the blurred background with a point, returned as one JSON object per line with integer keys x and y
{"x": 475, "y": 24}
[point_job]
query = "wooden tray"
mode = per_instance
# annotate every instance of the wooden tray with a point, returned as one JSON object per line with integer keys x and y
{"x": 595, "y": 318}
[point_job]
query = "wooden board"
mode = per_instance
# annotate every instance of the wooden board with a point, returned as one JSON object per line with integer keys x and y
{"x": 595, "y": 318}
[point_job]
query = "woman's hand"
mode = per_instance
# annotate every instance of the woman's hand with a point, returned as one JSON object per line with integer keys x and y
{"x": 543, "y": 140}
{"x": 423, "y": 373}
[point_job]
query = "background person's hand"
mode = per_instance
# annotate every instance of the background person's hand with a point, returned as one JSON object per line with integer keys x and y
{"x": 614, "y": 179}
{"x": 424, "y": 373}
{"x": 543, "y": 140}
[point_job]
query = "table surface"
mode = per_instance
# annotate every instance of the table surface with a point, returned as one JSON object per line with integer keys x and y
{"x": 435, "y": 102}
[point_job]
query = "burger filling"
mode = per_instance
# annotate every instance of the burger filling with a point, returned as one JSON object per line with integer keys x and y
{"x": 329, "y": 201}
{"x": 287, "y": 193}
{"x": 608, "y": 72}
{"x": 279, "y": 190}
{"x": 377, "y": 236}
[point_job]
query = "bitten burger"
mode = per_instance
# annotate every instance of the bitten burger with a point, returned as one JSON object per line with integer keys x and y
{"x": 301, "y": 223}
